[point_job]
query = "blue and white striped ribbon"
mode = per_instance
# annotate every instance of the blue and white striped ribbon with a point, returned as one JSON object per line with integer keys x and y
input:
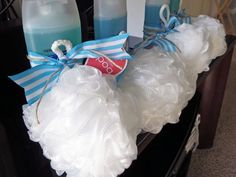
{"x": 111, "y": 47}
{"x": 159, "y": 38}
{"x": 35, "y": 79}
{"x": 183, "y": 17}
{"x": 169, "y": 28}
{"x": 172, "y": 23}
{"x": 164, "y": 44}
{"x": 40, "y": 79}
{"x": 159, "y": 41}
{"x": 187, "y": 20}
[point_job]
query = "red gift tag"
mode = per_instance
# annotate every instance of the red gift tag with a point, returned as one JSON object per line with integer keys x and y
{"x": 108, "y": 66}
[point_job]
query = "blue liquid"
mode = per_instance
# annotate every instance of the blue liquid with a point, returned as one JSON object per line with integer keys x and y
{"x": 174, "y": 6}
{"x": 109, "y": 28}
{"x": 152, "y": 17}
{"x": 41, "y": 41}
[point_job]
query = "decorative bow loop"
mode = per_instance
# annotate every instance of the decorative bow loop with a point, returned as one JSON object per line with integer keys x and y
{"x": 183, "y": 17}
{"x": 46, "y": 71}
{"x": 172, "y": 24}
{"x": 168, "y": 23}
{"x": 159, "y": 41}
{"x": 165, "y": 44}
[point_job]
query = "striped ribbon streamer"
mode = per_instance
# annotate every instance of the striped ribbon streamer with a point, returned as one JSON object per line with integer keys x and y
{"x": 111, "y": 47}
{"x": 151, "y": 31}
{"x": 41, "y": 78}
{"x": 187, "y": 20}
{"x": 164, "y": 44}
{"x": 172, "y": 23}
{"x": 159, "y": 39}
{"x": 169, "y": 28}
{"x": 183, "y": 17}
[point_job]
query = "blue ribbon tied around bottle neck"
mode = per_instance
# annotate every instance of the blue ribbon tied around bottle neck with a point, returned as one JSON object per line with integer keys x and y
{"x": 40, "y": 79}
{"x": 183, "y": 17}
{"x": 159, "y": 39}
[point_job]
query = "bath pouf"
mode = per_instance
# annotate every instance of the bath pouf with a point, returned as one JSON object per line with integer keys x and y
{"x": 81, "y": 126}
{"x": 160, "y": 87}
{"x": 217, "y": 43}
{"x": 193, "y": 44}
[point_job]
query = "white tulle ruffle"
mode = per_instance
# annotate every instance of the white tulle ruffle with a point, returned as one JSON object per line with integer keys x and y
{"x": 82, "y": 129}
{"x": 161, "y": 88}
{"x": 200, "y": 42}
{"x": 217, "y": 44}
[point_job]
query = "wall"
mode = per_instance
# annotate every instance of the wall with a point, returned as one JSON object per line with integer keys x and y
{"x": 196, "y": 7}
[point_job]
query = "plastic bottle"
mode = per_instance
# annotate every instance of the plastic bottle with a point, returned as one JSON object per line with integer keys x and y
{"x": 152, "y": 14}
{"x": 45, "y": 21}
{"x": 175, "y": 6}
{"x": 110, "y": 17}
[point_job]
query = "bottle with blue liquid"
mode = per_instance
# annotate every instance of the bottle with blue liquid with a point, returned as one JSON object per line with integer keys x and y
{"x": 110, "y": 17}
{"x": 152, "y": 15}
{"x": 45, "y": 21}
{"x": 175, "y": 6}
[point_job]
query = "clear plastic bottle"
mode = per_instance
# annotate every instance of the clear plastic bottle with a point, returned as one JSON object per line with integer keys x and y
{"x": 152, "y": 14}
{"x": 110, "y": 17}
{"x": 45, "y": 21}
{"x": 175, "y": 6}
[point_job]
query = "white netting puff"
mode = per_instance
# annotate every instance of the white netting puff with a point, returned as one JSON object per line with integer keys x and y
{"x": 161, "y": 88}
{"x": 82, "y": 129}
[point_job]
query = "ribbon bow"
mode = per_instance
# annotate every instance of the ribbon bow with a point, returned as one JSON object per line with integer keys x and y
{"x": 159, "y": 39}
{"x": 43, "y": 76}
{"x": 167, "y": 29}
{"x": 169, "y": 23}
{"x": 183, "y": 17}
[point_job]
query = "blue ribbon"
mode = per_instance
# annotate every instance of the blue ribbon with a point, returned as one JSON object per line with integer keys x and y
{"x": 159, "y": 41}
{"x": 40, "y": 79}
{"x": 183, "y": 17}
{"x": 172, "y": 23}
{"x": 159, "y": 38}
{"x": 169, "y": 28}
